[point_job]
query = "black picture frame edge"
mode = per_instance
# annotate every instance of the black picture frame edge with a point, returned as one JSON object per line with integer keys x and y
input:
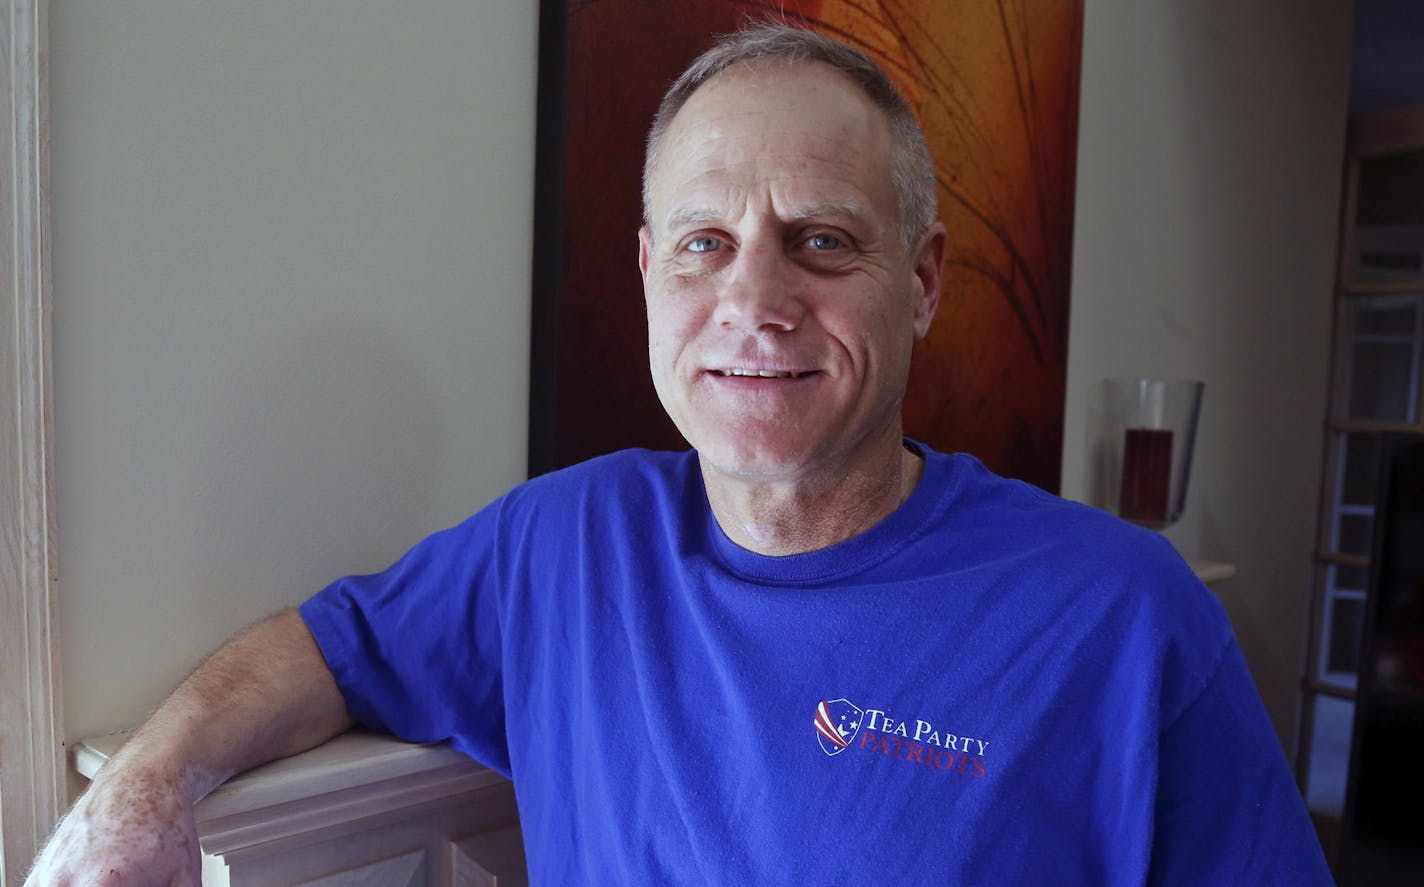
{"x": 547, "y": 272}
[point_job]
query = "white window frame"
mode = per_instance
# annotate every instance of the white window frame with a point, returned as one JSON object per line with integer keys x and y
{"x": 1370, "y": 135}
{"x": 32, "y": 775}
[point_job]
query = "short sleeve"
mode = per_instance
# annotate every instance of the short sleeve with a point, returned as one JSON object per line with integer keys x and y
{"x": 415, "y": 650}
{"x": 1227, "y": 809}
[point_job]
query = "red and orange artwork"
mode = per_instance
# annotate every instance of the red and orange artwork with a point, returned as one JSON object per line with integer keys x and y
{"x": 995, "y": 86}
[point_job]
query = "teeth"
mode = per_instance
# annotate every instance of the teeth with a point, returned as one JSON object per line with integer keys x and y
{"x": 766, "y": 374}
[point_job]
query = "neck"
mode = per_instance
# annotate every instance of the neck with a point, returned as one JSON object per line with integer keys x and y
{"x": 781, "y": 517}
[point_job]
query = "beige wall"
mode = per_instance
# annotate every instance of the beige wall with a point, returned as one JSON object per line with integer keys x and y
{"x": 291, "y": 285}
{"x": 291, "y": 276}
{"x": 1211, "y": 144}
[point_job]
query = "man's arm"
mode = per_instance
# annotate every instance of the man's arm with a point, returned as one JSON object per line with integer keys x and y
{"x": 265, "y": 694}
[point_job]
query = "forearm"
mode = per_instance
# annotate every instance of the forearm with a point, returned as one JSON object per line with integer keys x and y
{"x": 265, "y": 694}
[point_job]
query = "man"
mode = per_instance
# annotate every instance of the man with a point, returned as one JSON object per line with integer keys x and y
{"x": 806, "y": 651}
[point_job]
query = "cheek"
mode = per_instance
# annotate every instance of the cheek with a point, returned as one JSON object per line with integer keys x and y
{"x": 661, "y": 350}
{"x": 668, "y": 335}
{"x": 675, "y": 316}
{"x": 881, "y": 335}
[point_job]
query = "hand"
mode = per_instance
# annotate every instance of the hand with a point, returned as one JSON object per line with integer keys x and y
{"x": 127, "y": 829}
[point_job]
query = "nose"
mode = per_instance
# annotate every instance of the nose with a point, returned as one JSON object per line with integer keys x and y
{"x": 760, "y": 292}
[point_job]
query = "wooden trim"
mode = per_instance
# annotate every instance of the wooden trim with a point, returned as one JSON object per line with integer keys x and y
{"x": 1329, "y": 474}
{"x": 31, "y": 737}
{"x": 1368, "y": 135}
{"x": 1368, "y": 289}
{"x": 1320, "y": 688}
{"x": 1371, "y": 426}
{"x": 1342, "y": 560}
{"x": 1372, "y": 135}
{"x": 1349, "y": 207}
{"x": 1305, "y": 718}
{"x": 1387, "y": 132}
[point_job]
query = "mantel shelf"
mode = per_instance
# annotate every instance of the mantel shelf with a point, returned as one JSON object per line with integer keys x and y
{"x": 343, "y": 779}
{"x": 1211, "y": 572}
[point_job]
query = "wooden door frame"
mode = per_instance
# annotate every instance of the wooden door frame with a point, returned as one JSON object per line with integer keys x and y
{"x": 32, "y": 781}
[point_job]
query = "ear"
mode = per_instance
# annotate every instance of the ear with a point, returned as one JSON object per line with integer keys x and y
{"x": 928, "y": 265}
{"x": 645, "y": 252}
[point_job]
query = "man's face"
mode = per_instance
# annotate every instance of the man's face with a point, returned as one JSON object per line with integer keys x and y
{"x": 782, "y": 307}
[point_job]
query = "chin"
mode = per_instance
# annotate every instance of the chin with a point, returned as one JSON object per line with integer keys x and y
{"x": 751, "y": 458}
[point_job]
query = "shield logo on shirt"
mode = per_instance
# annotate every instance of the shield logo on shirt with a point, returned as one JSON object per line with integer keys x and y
{"x": 836, "y": 722}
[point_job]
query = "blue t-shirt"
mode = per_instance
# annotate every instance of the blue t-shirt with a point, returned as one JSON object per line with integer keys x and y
{"x": 992, "y": 686}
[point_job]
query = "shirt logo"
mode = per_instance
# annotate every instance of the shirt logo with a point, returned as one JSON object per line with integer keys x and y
{"x": 837, "y": 721}
{"x": 913, "y": 740}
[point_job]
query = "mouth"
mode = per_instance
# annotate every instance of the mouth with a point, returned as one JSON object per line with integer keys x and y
{"x": 763, "y": 374}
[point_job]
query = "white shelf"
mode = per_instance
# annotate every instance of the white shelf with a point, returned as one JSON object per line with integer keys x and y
{"x": 1211, "y": 572}
{"x": 352, "y": 777}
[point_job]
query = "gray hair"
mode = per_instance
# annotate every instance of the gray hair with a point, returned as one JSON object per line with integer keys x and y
{"x": 913, "y": 168}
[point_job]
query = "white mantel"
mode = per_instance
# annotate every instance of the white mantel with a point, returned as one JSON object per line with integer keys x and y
{"x": 363, "y": 809}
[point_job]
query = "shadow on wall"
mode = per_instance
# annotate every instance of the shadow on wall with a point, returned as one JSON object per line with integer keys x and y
{"x": 322, "y": 447}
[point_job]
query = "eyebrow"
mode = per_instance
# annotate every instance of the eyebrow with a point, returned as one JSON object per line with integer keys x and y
{"x": 836, "y": 209}
{"x": 690, "y": 216}
{"x": 841, "y": 209}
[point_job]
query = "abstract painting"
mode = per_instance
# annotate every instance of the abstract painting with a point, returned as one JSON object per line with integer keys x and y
{"x": 994, "y": 83}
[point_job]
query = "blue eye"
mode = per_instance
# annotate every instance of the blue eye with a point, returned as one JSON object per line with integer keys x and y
{"x": 703, "y": 244}
{"x": 823, "y": 242}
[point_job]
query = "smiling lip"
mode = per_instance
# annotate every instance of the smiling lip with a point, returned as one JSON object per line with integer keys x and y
{"x": 756, "y": 373}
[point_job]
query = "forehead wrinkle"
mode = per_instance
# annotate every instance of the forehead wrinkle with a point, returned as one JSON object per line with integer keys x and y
{"x": 729, "y": 146}
{"x": 693, "y": 215}
{"x": 716, "y": 156}
{"x": 696, "y": 215}
{"x": 830, "y": 209}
